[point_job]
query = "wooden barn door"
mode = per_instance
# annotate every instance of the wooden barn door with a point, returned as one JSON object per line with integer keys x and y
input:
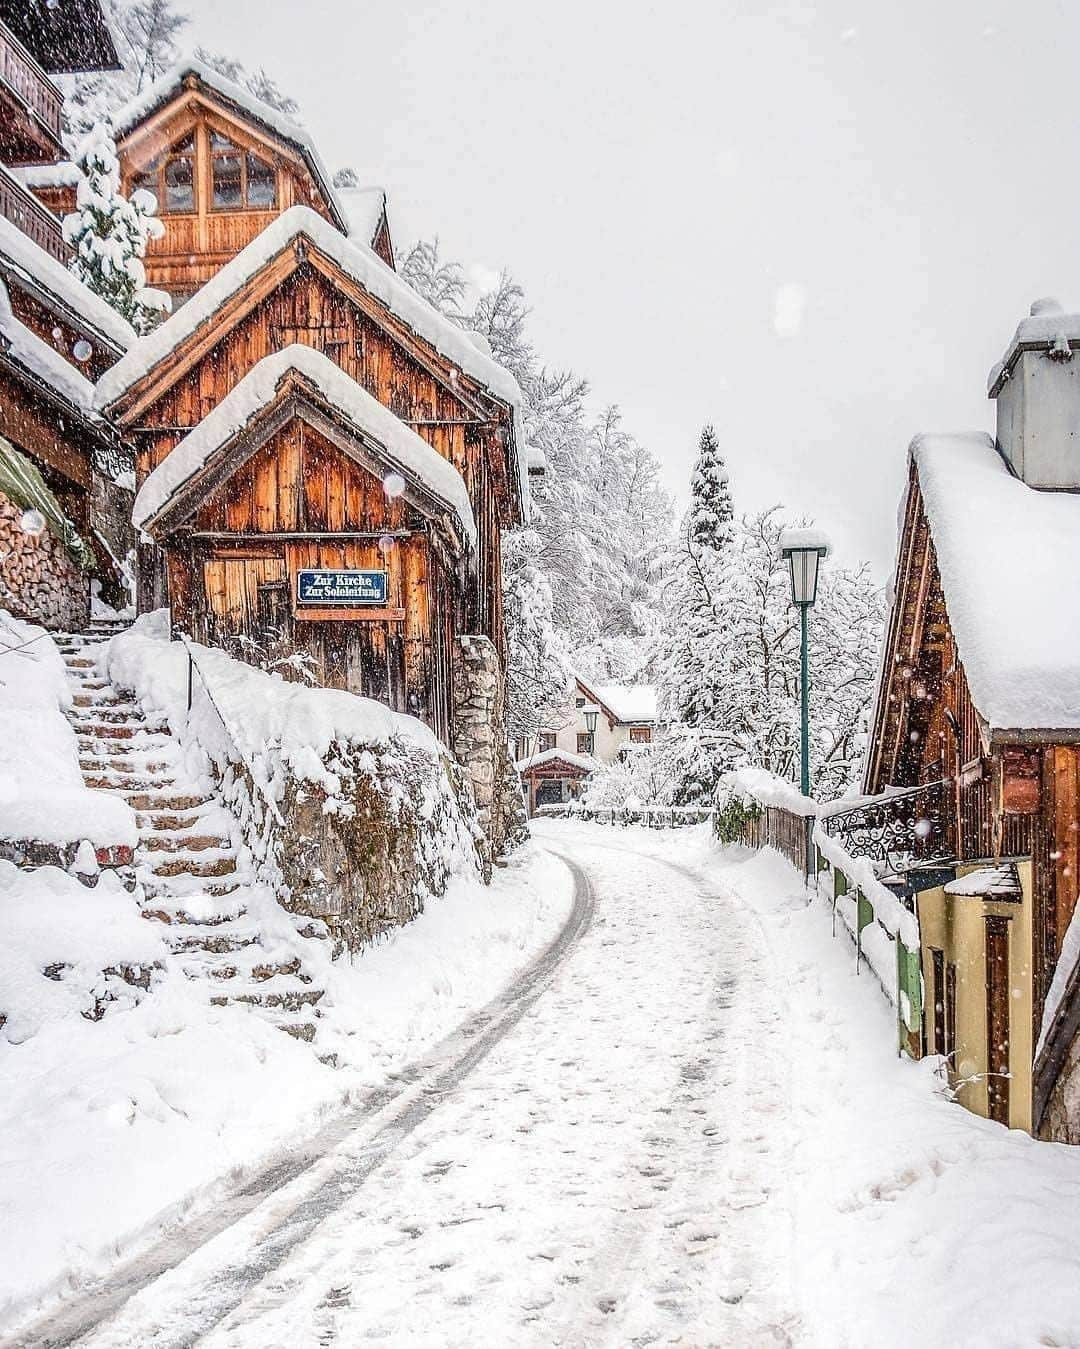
{"x": 997, "y": 1018}
{"x": 238, "y": 592}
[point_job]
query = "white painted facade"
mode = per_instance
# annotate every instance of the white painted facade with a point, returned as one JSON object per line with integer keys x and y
{"x": 625, "y": 716}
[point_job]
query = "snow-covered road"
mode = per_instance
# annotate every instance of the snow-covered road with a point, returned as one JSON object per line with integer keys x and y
{"x": 605, "y": 1167}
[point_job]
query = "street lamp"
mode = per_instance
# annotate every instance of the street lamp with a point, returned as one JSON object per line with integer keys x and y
{"x": 590, "y": 727}
{"x": 803, "y": 550}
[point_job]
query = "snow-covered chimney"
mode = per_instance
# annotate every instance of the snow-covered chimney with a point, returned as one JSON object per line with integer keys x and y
{"x": 1037, "y": 388}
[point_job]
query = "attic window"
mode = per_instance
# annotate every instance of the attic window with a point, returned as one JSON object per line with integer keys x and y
{"x": 170, "y": 179}
{"x": 240, "y": 180}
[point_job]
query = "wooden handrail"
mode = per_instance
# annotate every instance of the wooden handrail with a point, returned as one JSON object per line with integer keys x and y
{"x": 21, "y": 73}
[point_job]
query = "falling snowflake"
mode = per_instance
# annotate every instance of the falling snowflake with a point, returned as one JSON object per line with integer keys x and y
{"x": 393, "y": 485}
{"x": 82, "y": 350}
{"x": 387, "y": 544}
{"x": 922, "y": 828}
{"x": 32, "y": 522}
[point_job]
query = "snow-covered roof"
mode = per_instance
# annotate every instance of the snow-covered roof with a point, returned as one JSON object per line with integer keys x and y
{"x": 1047, "y": 326}
{"x": 362, "y": 266}
{"x": 1009, "y": 557}
{"x": 808, "y": 537}
{"x": 988, "y": 883}
{"x": 43, "y": 361}
{"x": 364, "y": 209}
{"x": 169, "y": 84}
{"x": 64, "y": 174}
{"x": 583, "y": 761}
{"x": 403, "y": 448}
{"x": 628, "y": 703}
{"x": 24, "y": 258}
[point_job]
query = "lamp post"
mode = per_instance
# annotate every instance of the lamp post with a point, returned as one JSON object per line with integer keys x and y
{"x": 803, "y": 550}
{"x": 590, "y": 727}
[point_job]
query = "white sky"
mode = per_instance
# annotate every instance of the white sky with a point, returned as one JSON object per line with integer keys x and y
{"x": 814, "y": 225}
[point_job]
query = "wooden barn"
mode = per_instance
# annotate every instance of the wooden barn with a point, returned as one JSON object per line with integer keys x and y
{"x": 222, "y": 166}
{"x": 325, "y": 468}
{"x": 978, "y": 716}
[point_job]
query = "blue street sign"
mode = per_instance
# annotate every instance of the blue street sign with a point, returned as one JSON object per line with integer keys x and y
{"x": 326, "y": 585}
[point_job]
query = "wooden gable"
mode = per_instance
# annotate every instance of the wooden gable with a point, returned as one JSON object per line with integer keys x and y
{"x": 299, "y": 468}
{"x": 220, "y": 177}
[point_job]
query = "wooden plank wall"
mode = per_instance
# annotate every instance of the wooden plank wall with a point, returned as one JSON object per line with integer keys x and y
{"x": 307, "y": 309}
{"x": 238, "y": 591}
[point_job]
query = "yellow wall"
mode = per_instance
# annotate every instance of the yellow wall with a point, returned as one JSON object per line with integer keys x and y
{"x": 955, "y": 925}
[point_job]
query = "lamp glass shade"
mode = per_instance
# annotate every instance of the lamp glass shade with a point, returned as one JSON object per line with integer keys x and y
{"x": 804, "y": 563}
{"x": 590, "y": 721}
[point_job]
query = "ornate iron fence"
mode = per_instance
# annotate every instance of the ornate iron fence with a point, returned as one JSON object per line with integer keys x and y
{"x": 901, "y": 827}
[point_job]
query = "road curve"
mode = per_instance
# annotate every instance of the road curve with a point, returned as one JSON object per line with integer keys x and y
{"x": 262, "y": 1222}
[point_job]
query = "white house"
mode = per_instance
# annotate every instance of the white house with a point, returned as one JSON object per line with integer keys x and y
{"x": 597, "y": 723}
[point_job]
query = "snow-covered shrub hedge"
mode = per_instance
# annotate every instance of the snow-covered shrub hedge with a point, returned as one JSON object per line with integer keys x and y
{"x": 353, "y": 813}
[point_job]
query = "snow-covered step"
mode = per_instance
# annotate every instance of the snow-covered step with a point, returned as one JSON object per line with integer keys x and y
{"x": 282, "y": 992}
{"x": 211, "y": 863}
{"x": 184, "y": 842}
{"x": 190, "y": 875}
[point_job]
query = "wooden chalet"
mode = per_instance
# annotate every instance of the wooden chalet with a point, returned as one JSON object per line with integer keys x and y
{"x": 307, "y": 413}
{"x": 978, "y": 716}
{"x": 56, "y": 338}
{"x": 222, "y": 167}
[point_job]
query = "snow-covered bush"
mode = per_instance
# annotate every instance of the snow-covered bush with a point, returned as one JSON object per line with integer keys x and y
{"x": 353, "y": 813}
{"x": 109, "y": 234}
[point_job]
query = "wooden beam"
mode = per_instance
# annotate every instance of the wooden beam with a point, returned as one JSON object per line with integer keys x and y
{"x": 348, "y": 615}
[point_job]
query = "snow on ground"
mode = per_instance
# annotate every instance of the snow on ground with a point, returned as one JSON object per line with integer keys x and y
{"x": 913, "y": 1221}
{"x": 42, "y": 793}
{"x": 698, "y": 1134}
{"x": 109, "y": 1130}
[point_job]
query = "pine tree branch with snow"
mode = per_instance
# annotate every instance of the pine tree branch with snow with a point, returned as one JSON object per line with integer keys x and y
{"x": 109, "y": 233}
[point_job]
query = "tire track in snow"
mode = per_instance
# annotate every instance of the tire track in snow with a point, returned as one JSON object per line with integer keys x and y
{"x": 299, "y": 1192}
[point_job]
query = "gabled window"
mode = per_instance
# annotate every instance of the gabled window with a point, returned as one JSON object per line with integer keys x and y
{"x": 170, "y": 179}
{"x": 547, "y": 740}
{"x": 239, "y": 179}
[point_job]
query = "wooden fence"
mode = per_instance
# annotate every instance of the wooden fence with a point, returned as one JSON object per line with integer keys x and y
{"x": 788, "y": 833}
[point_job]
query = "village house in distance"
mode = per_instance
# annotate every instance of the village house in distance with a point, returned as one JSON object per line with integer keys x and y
{"x": 598, "y": 723}
{"x": 978, "y": 715}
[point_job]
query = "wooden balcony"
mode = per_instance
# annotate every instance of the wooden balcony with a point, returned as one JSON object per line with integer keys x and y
{"x": 31, "y": 116}
{"x": 19, "y": 205}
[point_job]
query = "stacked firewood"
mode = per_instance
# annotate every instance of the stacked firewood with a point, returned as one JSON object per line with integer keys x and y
{"x": 38, "y": 580}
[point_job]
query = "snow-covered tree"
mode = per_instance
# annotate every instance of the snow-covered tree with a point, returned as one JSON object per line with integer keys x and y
{"x": 147, "y": 33}
{"x": 442, "y": 284}
{"x": 538, "y": 672}
{"x": 711, "y": 511}
{"x": 601, "y": 520}
{"x": 346, "y": 177}
{"x": 257, "y": 82}
{"x": 109, "y": 233}
{"x": 729, "y": 686}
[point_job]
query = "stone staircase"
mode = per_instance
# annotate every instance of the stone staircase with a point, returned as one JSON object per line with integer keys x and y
{"x": 191, "y": 872}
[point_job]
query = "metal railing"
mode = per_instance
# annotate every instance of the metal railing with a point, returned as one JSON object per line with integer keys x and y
{"x": 256, "y": 776}
{"x": 896, "y": 826}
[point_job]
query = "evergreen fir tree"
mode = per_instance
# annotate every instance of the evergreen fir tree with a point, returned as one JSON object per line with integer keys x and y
{"x": 711, "y": 513}
{"x": 109, "y": 235}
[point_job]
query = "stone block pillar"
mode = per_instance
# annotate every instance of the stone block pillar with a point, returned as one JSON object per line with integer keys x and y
{"x": 479, "y": 733}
